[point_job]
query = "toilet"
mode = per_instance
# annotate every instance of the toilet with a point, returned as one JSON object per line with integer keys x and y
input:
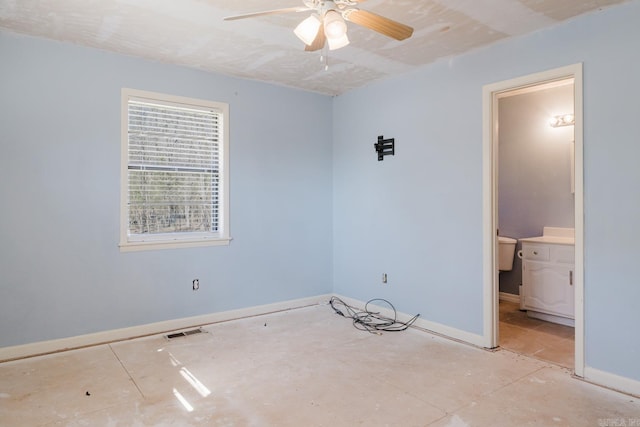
{"x": 506, "y": 249}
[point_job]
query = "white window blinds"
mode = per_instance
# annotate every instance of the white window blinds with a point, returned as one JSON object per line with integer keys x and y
{"x": 174, "y": 162}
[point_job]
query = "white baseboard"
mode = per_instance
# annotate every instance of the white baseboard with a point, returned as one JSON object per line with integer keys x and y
{"x": 437, "y": 328}
{"x": 52, "y": 346}
{"x": 504, "y": 296}
{"x": 612, "y": 381}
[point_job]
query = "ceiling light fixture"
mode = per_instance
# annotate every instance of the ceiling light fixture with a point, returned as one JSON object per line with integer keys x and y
{"x": 328, "y": 23}
{"x": 334, "y": 25}
{"x": 307, "y": 29}
{"x": 335, "y": 29}
{"x": 562, "y": 120}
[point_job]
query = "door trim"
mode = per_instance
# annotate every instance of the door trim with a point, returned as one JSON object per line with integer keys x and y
{"x": 490, "y": 94}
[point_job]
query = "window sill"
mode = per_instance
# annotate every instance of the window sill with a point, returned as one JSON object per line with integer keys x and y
{"x": 151, "y": 245}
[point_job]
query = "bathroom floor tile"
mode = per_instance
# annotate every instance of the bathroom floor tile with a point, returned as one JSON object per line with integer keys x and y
{"x": 560, "y": 331}
{"x": 534, "y": 337}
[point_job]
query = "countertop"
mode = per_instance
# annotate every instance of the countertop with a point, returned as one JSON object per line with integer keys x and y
{"x": 554, "y": 236}
{"x": 555, "y": 240}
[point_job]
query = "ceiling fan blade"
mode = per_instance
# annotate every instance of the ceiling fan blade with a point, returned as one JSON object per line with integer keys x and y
{"x": 267, "y": 12}
{"x": 318, "y": 42}
{"x": 378, "y": 23}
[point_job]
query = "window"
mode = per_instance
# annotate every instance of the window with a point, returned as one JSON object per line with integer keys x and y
{"x": 175, "y": 175}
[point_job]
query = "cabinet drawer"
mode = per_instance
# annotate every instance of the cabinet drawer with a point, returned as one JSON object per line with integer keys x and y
{"x": 564, "y": 254}
{"x": 535, "y": 252}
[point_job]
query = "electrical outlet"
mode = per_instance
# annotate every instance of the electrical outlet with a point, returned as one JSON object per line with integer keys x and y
{"x": 384, "y": 277}
{"x": 196, "y": 284}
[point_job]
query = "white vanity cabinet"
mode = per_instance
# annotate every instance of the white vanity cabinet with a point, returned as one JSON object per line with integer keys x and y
{"x": 548, "y": 280}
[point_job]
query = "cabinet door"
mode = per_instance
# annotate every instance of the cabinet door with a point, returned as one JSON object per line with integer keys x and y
{"x": 549, "y": 288}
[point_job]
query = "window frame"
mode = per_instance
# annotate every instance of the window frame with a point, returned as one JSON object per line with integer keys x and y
{"x": 130, "y": 243}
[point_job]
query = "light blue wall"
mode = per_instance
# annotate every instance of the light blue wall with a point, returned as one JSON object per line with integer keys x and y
{"x": 61, "y": 272}
{"x": 418, "y": 215}
{"x": 534, "y": 162}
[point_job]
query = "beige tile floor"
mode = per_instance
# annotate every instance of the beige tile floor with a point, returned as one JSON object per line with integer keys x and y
{"x": 304, "y": 367}
{"x": 536, "y": 338}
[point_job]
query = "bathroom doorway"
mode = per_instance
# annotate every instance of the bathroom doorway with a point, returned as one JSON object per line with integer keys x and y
{"x": 515, "y": 104}
{"x": 535, "y": 193}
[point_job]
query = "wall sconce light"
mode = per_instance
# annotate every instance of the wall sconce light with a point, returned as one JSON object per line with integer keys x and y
{"x": 562, "y": 120}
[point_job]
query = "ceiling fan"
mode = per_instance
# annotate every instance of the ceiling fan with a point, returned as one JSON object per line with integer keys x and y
{"x": 326, "y": 24}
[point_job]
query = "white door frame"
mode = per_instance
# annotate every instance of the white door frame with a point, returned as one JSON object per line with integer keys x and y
{"x": 490, "y": 95}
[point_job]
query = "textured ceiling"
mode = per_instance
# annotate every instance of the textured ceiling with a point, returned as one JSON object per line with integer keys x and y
{"x": 193, "y": 33}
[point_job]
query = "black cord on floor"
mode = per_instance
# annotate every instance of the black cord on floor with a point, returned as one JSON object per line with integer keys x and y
{"x": 370, "y": 321}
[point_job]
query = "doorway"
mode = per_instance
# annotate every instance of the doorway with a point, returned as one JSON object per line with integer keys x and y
{"x": 491, "y": 97}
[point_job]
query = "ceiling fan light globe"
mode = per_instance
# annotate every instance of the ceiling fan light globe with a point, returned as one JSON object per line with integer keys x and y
{"x": 337, "y": 43}
{"x": 307, "y": 29}
{"x": 334, "y": 25}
